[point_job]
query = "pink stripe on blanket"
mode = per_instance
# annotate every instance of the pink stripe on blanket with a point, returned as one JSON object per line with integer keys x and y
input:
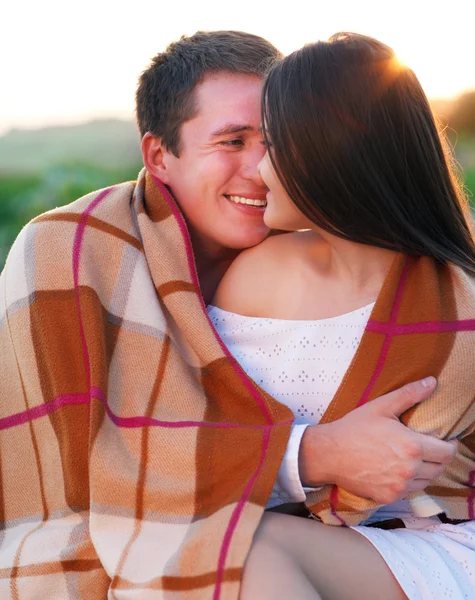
{"x": 235, "y": 517}
{"x": 192, "y": 268}
{"x": 241, "y": 374}
{"x": 122, "y": 422}
{"x": 43, "y": 409}
{"x": 77, "y": 247}
{"x": 422, "y": 327}
{"x": 334, "y": 502}
{"x": 141, "y": 421}
{"x": 382, "y": 357}
{"x": 471, "y": 498}
{"x": 390, "y": 327}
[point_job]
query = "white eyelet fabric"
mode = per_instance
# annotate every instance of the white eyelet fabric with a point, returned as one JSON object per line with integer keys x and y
{"x": 430, "y": 562}
{"x": 301, "y": 363}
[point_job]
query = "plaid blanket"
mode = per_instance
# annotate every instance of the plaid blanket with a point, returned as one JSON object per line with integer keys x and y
{"x": 423, "y": 323}
{"x": 136, "y": 457}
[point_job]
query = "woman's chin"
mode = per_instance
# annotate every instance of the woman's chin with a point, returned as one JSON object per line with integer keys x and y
{"x": 277, "y": 224}
{"x": 270, "y": 221}
{"x": 286, "y": 221}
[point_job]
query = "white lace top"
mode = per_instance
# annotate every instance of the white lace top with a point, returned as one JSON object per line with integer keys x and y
{"x": 301, "y": 364}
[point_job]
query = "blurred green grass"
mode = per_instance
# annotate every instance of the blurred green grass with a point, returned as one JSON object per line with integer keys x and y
{"x": 469, "y": 179}
{"x": 23, "y": 197}
{"x": 45, "y": 168}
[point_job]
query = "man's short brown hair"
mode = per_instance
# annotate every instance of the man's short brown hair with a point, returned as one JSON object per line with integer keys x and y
{"x": 164, "y": 98}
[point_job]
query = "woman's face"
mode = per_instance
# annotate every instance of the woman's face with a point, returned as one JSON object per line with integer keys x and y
{"x": 281, "y": 212}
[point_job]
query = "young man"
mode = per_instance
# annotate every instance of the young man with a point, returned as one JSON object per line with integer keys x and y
{"x": 136, "y": 458}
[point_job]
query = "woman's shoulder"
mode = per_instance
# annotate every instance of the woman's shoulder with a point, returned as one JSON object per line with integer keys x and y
{"x": 258, "y": 272}
{"x": 277, "y": 248}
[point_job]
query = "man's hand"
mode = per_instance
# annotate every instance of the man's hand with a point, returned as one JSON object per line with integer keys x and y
{"x": 370, "y": 453}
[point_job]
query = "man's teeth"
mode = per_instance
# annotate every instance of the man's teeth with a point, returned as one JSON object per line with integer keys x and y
{"x": 248, "y": 201}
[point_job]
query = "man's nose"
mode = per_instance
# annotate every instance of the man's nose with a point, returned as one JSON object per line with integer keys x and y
{"x": 250, "y": 164}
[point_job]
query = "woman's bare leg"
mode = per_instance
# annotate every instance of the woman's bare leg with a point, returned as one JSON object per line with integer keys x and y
{"x": 272, "y": 574}
{"x": 300, "y": 558}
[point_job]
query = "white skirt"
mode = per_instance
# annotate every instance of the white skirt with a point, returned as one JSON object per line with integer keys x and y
{"x": 430, "y": 560}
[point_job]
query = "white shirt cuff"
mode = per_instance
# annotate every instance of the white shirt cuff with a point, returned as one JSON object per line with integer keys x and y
{"x": 288, "y": 485}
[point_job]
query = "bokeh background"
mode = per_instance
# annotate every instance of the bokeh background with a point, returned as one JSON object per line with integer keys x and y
{"x": 68, "y": 75}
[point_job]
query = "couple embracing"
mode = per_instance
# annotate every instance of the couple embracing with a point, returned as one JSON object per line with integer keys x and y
{"x": 248, "y": 374}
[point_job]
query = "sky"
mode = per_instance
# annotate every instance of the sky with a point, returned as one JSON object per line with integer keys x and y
{"x": 64, "y": 62}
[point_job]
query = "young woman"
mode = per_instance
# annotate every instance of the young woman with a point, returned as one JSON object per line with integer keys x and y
{"x": 373, "y": 287}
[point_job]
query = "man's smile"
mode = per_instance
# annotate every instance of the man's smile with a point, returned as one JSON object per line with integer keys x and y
{"x": 259, "y": 202}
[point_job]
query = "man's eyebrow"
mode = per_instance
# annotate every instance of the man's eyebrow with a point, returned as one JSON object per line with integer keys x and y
{"x": 230, "y": 128}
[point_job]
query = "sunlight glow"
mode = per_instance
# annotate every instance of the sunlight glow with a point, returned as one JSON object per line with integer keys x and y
{"x": 68, "y": 62}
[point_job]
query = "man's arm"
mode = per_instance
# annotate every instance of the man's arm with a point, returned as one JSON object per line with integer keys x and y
{"x": 370, "y": 453}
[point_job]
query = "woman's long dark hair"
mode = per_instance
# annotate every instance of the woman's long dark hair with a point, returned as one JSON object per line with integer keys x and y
{"x": 354, "y": 143}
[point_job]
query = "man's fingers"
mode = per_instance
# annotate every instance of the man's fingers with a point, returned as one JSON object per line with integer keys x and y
{"x": 437, "y": 451}
{"x": 416, "y": 485}
{"x": 410, "y": 394}
{"x": 429, "y": 471}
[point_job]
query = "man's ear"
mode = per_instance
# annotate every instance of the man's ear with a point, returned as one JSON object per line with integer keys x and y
{"x": 155, "y": 157}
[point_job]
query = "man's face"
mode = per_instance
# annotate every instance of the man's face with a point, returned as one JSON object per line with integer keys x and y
{"x": 215, "y": 179}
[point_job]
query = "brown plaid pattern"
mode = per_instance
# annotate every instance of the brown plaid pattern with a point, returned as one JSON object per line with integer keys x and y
{"x": 136, "y": 457}
{"x": 423, "y": 323}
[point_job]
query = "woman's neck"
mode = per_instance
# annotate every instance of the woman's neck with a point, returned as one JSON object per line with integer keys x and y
{"x": 345, "y": 275}
{"x": 358, "y": 268}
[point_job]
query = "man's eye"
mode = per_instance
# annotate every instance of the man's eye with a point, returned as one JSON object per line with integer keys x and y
{"x": 236, "y": 142}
